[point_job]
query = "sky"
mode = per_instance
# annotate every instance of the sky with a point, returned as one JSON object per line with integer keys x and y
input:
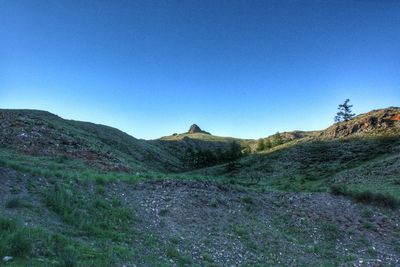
{"x": 236, "y": 68}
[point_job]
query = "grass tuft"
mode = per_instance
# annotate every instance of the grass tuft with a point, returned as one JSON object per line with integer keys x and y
{"x": 14, "y": 239}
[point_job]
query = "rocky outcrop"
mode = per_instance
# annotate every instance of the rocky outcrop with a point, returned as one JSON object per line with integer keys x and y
{"x": 376, "y": 121}
{"x": 196, "y": 129}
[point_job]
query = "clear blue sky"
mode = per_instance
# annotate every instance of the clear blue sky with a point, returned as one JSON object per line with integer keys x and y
{"x": 241, "y": 68}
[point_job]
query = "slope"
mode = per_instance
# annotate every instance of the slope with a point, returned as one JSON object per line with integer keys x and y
{"x": 42, "y": 134}
{"x": 356, "y": 154}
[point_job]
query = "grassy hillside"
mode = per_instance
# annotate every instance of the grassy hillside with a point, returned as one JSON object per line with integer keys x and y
{"x": 39, "y": 133}
{"x": 80, "y": 194}
{"x": 200, "y": 136}
{"x": 361, "y": 156}
{"x": 316, "y": 165}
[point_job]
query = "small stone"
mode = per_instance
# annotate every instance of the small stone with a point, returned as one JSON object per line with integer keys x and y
{"x": 7, "y": 258}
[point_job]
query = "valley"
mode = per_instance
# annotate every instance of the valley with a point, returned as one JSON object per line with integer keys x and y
{"x": 81, "y": 194}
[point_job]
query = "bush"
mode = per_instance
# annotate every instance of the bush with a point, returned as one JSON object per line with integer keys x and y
{"x": 100, "y": 180}
{"x": 377, "y": 198}
{"x": 337, "y": 190}
{"x": 7, "y": 224}
{"x": 260, "y": 145}
{"x": 366, "y": 197}
{"x": 248, "y": 200}
{"x": 13, "y": 203}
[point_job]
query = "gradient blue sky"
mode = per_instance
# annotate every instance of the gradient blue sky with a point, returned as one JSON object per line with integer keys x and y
{"x": 241, "y": 68}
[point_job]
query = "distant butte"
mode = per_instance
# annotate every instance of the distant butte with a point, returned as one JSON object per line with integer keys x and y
{"x": 196, "y": 129}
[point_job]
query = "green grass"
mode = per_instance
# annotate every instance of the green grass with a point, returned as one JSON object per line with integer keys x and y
{"x": 367, "y": 197}
{"x": 363, "y": 164}
{"x": 95, "y": 231}
{"x": 14, "y": 239}
{"x": 72, "y": 169}
{"x": 368, "y": 164}
{"x": 26, "y": 245}
{"x": 110, "y": 147}
{"x": 90, "y": 214}
{"x": 307, "y": 161}
{"x": 200, "y": 136}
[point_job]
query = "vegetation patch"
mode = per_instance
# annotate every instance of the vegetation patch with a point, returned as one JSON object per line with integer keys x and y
{"x": 366, "y": 197}
{"x": 91, "y": 214}
{"x": 14, "y": 202}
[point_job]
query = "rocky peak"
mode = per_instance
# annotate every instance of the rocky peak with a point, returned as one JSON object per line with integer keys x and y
{"x": 196, "y": 129}
{"x": 377, "y": 120}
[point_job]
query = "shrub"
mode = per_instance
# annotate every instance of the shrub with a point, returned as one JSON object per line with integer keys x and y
{"x": 260, "y": 145}
{"x": 377, "y": 198}
{"x": 101, "y": 190}
{"x": 171, "y": 252}
{"x": 13, "y": 203}
{"x": 100, "y": 180}
{"x": 61, "y": 159}
{"x": 248, "y": 200}
{"x": 337, "y": 190}
{"x": 366, "y": 197}
{"x": 163, "y": 212}
{"x": 7, "y": 224}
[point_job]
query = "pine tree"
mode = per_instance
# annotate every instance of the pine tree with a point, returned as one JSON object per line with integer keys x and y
{"x": 276, "y": 139}
{"x": 267, "y": 143}
{"x": 260, "y": 145}
{"x": 344, "y": 113}
{"x": 234, "y": 153}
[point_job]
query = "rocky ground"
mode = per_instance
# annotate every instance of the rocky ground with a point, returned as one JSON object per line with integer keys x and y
{"x": 235, "y": 228}
{"x": 210, "y": 225}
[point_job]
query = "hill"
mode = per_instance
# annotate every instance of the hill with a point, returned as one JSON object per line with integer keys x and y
{"x": 42, "y": 134}
{"x": 196, "y": 133}
{"x": 81, "y": 194}
{"x": 382, "y": 122}
{"x": 355, "y": 154}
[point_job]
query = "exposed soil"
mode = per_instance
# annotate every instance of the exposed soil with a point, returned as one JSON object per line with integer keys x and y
{"x": 230, "y": 227}
{"x": 227, "y": 224}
